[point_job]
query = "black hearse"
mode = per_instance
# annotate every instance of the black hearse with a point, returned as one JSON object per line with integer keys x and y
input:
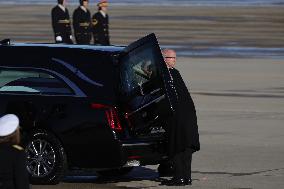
{"x": 98, "y": 107}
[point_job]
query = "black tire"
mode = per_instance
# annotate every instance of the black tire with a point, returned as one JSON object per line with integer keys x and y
{"x": 115, "y": 172}
{"x": 46, "y": 159}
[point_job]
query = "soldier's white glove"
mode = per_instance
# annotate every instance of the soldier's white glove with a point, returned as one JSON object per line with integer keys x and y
{"x": 58, "y": 38}
{"x": 71, "y": 37}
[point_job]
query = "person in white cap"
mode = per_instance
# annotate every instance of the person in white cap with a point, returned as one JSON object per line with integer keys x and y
{"x": 13, "y": 169}
{"x": 100, "y": 24}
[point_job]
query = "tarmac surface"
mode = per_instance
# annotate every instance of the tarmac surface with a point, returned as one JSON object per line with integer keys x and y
{"x": 240, "y": 107}
{"x": 239, "y": 102}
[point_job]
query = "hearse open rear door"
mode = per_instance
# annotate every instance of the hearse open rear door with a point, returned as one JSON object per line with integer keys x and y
{"x": 146, "y": 92}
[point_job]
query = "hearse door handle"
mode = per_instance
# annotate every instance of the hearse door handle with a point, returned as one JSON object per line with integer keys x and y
{"x": 59, "y": 109}
{"x": 144, "y": 114}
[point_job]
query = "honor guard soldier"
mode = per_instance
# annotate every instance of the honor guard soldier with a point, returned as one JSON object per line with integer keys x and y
{"x": 100, "y": 24}
{"x": 13, "y": 169}
{"x": 61, "y": 23}
{"x": 82, "y": 23}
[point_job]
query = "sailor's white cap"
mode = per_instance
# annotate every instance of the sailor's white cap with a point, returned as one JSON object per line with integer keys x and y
{"x": 8, "y": 124}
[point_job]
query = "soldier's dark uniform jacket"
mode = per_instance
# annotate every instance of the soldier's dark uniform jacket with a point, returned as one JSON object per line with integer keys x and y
{"x": 13, "y": 171}
{"x": 61, "y": 24}
{"x": 100, "y": 29}
{"x": 82, "y": 26}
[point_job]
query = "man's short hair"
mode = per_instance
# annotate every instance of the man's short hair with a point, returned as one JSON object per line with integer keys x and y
{"x": 81, "y": 2}
{"x": 60, "y": 2}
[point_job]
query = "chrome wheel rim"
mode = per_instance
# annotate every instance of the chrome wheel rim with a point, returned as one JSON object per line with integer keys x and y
{"x": 40, "y": 158}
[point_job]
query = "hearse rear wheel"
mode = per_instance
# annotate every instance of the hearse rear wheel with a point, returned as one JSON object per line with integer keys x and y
{"x": 46, "y": 159}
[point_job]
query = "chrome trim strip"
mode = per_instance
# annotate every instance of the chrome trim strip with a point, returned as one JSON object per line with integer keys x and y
{"x": 77, "y": 72}
{"x": 153, "y": 101}
{"x": 137, "y": 144}
{"x": 155, "y": 91}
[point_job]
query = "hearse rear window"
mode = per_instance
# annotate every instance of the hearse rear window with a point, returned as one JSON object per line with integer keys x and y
{"x": 137, "y": 69}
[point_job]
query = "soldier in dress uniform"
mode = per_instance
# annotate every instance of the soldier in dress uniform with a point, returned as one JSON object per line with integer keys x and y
{"x": 61, "y": 23}
{"x": 13, "y": 169}
{"x": 82, "y": 23}
{"x": 100, "y": 24}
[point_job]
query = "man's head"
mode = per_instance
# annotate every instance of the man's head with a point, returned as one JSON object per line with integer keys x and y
{"x": 102, "y": 5}
{"x": 84, "y": 3}
{"x": 169, "y": 57}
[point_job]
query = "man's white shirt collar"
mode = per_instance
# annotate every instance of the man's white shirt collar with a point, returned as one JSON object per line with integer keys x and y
{"x": 83, "y": 8}
{"x": 103, "y": 13}
{"x": 62, "y": 7}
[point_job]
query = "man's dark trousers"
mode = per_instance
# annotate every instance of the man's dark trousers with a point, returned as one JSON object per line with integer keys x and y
{"x": 182, "y": 164}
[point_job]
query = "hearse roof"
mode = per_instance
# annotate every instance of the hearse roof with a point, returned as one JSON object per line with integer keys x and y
{"x": 53, "y": 45}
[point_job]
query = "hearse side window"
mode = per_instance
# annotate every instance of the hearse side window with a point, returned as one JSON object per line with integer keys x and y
{"x": 31, "y": 82}
{"x": 137, "y": 70}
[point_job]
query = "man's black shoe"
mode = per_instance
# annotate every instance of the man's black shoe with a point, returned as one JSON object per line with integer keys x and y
{"x": 188, "y": 181}
{"x": 174, "y": 182}
{"x": 166, "y": 169}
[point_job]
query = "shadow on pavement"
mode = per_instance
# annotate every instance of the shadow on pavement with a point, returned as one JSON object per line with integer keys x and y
{"x": 137, "y": 174}
{"x": 239, "y": 174}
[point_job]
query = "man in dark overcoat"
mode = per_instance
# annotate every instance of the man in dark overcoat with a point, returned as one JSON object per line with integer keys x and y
{"x": 61, "y": 23}
{"x": 183, "y": 136}
{"x": 100, "y": 24}
{"x": 82, "y": 23}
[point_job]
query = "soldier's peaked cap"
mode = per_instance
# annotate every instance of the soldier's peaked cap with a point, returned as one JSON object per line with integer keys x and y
{"x": 8, "y": 124}
{"x": 103, "y": 3}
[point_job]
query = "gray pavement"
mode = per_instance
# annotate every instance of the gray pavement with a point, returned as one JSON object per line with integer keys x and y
{"x": 240, "y": 106}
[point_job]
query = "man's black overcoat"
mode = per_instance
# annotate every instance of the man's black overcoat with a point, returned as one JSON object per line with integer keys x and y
{"x": 183, "y": 128}
{"x": 100, "y": 29}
